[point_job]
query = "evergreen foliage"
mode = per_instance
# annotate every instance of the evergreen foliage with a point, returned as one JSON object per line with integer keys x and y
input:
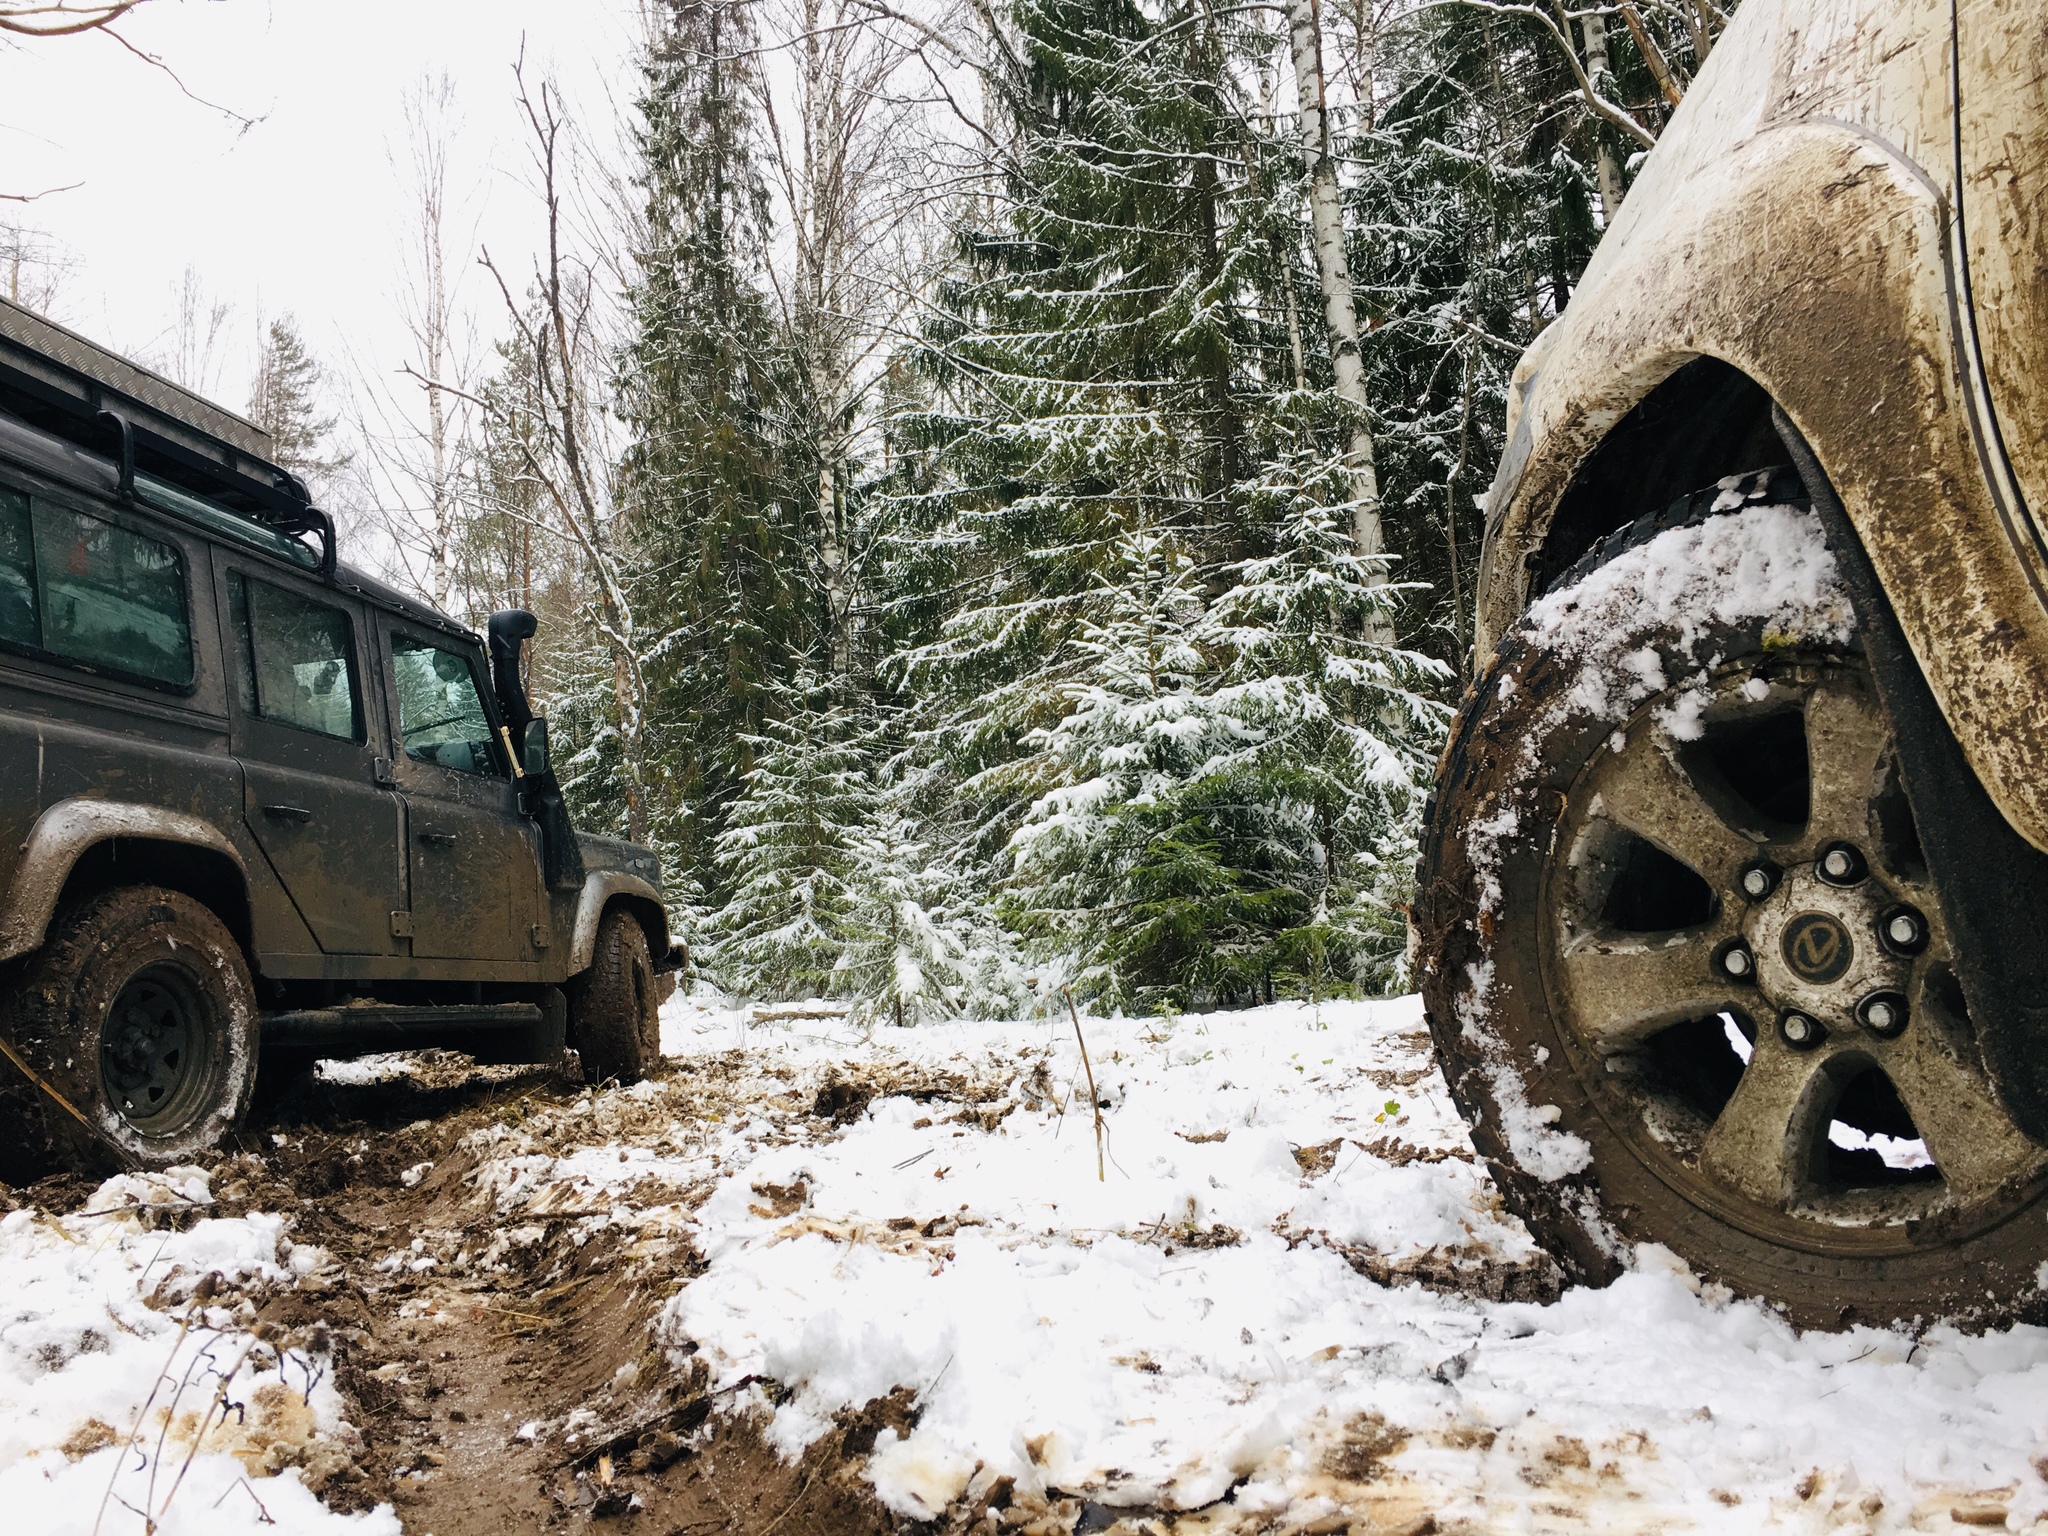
{"x": 287, "y": 400}
{"x": 698, "y": 385}
{"x": 1082, "y": 675}
{"x": 787, "y": 851}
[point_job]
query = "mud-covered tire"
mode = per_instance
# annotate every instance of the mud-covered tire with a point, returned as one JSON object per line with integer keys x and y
{"x": 139, "y": 1012}
{"x": 1590, "y": 1037}
{"x": 614, "y": 1019}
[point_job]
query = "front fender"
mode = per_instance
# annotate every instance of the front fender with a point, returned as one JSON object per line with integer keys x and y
{"x": 1817, "y": 260}
{"x": 600, "y": 888}
{"x": 63, "y": 833}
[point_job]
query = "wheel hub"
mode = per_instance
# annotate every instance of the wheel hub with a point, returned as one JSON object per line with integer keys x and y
{"x": 1818, "y": 950}
{"x": 1758, "y": 878}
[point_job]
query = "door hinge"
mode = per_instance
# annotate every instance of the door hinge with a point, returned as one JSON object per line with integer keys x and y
{"x": 382, "y": 771}
{"x": 401, "y": 925}
{"x": 541, "y": 936}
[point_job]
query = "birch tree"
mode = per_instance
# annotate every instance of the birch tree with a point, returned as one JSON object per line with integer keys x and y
{"x": 1340, "y": 314}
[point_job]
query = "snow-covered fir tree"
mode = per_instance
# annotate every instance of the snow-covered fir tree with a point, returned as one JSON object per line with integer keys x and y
{"x": 921, "y": 941}
{"x": 786, "y": 852}
{"x": 1336, "y": 731}
{"x": 716, "y": 576}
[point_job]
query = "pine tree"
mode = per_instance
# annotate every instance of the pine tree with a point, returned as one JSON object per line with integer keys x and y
{"x": 921, "y": 941}
{"x": 1337, "y": 730}
{"x": 1122, "y": 862}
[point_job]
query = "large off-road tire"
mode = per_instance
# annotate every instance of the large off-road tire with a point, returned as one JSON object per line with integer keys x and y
{"x": 614, "y": 1019}
{"x": 138, "y": 1011}
{"x": 1685, "y": 972}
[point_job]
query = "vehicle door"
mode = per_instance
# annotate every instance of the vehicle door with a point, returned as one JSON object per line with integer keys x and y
{"x": 475, "y": 860}
{"x": 312, "y": 756}
{"x": 2002, "y": 143}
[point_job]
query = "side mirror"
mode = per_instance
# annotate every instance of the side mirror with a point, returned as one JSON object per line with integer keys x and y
{"x": 536, "y": 748}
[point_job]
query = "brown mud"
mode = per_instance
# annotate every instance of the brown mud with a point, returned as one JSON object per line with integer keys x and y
{"x": 503, "y": 1371}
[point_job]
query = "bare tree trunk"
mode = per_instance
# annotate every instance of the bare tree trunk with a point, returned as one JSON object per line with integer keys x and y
{"x": 430, "y": 321}
{"x": 1326, "y": 225}
{"x": 1598, "y": 70}
{"x": 566, "y": 403}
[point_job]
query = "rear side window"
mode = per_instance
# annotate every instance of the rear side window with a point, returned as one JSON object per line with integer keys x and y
{"x": 90, "y": 591}
{"x": 18, "y": 624}
{"x": 440, "y": 715}
{"x": 294, "y": 659}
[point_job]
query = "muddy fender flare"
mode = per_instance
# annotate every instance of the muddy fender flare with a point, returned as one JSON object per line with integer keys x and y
{"x": 61, "y": 836}
{"x": 600, "y": 888}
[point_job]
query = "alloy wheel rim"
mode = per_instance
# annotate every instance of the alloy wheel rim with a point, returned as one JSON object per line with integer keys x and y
{"x": 1737, "y": 867}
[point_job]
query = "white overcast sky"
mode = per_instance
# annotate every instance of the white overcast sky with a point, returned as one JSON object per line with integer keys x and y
{"x": 302, "y": 212}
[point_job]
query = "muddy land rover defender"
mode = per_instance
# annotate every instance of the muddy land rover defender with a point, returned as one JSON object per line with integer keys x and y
{"x": 1733, "y": 912}
{"x": 254, "y": 805}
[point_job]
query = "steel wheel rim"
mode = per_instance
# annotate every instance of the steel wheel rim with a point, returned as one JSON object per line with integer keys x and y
{"x": 1760, "y": 1146}
{"x": 157, "y": 1050}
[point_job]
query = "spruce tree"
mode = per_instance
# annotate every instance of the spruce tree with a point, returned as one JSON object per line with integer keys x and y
{"x": 698, "y": 381}
{"x": 287, "y": 400}
{"x": 786, "y": 852}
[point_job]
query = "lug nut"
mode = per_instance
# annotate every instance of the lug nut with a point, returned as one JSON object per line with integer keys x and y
{"x": 1883, "y": 1014}
{"x": 1799, "y": 1030}
{"x": 1758, "y": 880}
{"x": 1736, "y": 962}
{"x": 1840, "y": 864}
{"x": 1903, "y": 931}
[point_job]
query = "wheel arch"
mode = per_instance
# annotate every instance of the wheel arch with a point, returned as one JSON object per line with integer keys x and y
{"x": 1809, "y": 269}
{"x": 80, "y": 848}
{"x": 606, "y": 889}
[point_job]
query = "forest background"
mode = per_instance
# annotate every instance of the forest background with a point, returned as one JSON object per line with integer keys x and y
{"x": 1001, "y": 479}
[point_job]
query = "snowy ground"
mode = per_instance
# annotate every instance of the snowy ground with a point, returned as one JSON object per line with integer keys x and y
{"x": 1225, "y": 1326}
{"x": 1197, "y": 1324}
{"x": 132, "y": 1324}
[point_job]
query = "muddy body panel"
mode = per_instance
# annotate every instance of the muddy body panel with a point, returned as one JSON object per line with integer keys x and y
{"x": 195, "y": 698}
{"x": 1798, "y": 224}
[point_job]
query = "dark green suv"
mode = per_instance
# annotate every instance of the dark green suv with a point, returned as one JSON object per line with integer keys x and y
{"x": 255, "y": 805}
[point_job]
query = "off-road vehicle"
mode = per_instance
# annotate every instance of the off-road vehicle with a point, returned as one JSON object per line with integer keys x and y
{"x": 1732, "y": 920}
{"x": 256, "y": 806}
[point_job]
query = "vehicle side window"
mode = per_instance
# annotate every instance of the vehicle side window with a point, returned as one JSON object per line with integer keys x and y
{"x": 440, "y": 714}
{"x": 111, "y": 597}
{"x": 87, "y": 590}
{"x": 294, "y": 659}
{"x": 18, "y": 622}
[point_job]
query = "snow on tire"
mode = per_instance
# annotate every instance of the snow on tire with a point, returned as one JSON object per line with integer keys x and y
{"x": 1684, "y": 971}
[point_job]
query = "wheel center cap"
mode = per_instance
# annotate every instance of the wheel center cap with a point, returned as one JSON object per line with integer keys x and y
{"x": 1817, "y": 948}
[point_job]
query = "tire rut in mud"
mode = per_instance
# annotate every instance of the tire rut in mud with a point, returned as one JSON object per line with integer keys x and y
{"x": 530, "y": 1398}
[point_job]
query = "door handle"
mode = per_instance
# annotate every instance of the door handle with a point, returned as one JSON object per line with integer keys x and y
{"x": 442, "y": 839}
{"x": 288, "y": 813}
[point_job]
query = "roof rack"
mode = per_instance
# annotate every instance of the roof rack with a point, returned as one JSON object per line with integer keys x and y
{"x": 55, "y": 379}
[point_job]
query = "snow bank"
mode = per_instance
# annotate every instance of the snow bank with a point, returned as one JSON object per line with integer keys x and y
{"x": 129, "y": 1324}
{"x": 1205, "y": 1324}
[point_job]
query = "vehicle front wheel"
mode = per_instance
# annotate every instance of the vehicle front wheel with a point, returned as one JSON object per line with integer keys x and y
{"x": 1682, "y": 962}
{"x": 614, "y": 1018}
{"x": 138, "y": 1017}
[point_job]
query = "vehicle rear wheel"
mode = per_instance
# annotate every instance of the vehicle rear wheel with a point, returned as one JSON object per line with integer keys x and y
{"x": 139, "y": 1013}
{"x": 1681, "y": 959}
{"x": 614, "y": 1020}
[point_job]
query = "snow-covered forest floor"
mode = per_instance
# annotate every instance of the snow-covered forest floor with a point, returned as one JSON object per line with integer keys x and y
{"x": 819, "y": 1280}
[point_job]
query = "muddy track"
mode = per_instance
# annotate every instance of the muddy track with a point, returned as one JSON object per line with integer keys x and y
{"x": 527, "y": 1400}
